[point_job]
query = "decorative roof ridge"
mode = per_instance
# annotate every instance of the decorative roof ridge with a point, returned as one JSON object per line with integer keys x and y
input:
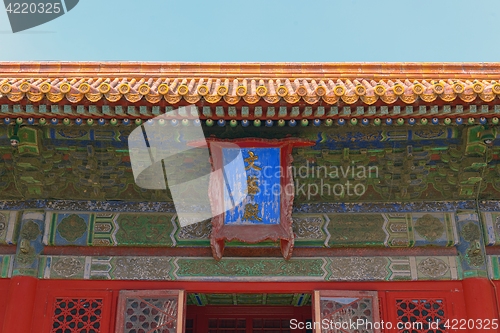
{"x": 366, "y": 70}
{"x": 232, "y": 91}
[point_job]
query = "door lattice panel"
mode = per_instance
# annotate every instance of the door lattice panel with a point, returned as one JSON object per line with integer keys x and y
{"x": 344, "y": 307}
{"x": 227, "y": 325}
{"x": 151, "y": 315}
{"x": 270, "y": 325}
{"x": 151, "y": 311}
{"x": 74, "y": 315}
{"x": 421, "y": 312}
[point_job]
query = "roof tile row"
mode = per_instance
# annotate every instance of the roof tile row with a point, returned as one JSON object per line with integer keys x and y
{"x": 251, "y": 90}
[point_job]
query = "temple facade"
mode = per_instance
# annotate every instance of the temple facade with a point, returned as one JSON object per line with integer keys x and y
{"x": 386, "y": 216}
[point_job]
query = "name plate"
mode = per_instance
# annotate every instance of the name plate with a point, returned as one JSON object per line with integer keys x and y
{"x": 262, "y": 179}
{"x": 251, "y": 192}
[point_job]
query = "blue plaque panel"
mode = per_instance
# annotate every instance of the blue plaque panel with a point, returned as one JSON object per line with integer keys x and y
{"x": 263, "y": 183}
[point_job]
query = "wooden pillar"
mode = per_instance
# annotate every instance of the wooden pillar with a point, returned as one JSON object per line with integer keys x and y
{"x": 20, "y": 304}
{"x": 480, "y": 302}
{"x": 479, "y": 294}
{"x": 22, "y": 289}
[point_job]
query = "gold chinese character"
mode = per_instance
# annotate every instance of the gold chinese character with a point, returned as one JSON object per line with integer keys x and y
{"x": 251, "y": 160}
{"x": 252, "y": 185}
{"x": 252, "y": 212}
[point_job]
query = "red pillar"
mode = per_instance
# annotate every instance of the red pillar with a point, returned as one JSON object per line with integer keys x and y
{"x": 480, "y": 301}
{"x": 20, "y": 304}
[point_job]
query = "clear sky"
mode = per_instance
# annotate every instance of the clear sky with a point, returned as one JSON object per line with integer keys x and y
{"x": 263, "y": 31}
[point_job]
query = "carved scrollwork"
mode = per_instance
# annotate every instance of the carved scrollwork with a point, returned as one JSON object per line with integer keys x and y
{"x": 251, "y": 99}
{"x": 350, "y": 99}
{"x": 68, "y": 267}
{"x": 231, "y": 99}
{"x": 113, "y": 97}
{"x": 428, "y": 97}
{"x": 192, "y": 98}
{"x": 408, "y": 98}
{"x": 273, "y": 99}
{"x": 153, "y": 99}
{"x": 35, "y": 97}
{"x": 429, "y": 227}
{"x": 330, "y": 99}
{"x": 212, "y": 98}
{"x": 55, "y": 97}
{"x": 311, "y": 99}
{"x": 292, "y": 99}
{"x": 133, "y": 98}
{"x": 467, "y": 97}
{"x": 433, "y": 267}
{"x": 369, "y": 99}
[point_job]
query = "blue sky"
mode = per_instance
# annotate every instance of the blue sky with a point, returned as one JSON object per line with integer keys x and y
{"x": 263, "y": 31}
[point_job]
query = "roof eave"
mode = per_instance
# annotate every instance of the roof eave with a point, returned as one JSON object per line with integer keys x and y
{"x": 398, "y": 70}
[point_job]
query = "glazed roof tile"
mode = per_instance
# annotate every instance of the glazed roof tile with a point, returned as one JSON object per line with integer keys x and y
{"x": 250, "y": 83}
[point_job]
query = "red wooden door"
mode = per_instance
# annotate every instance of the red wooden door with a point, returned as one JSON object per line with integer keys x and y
{"x": 94, "y": 304}
{"x": 4, "y": 289}
{"x": 247, "y": 319}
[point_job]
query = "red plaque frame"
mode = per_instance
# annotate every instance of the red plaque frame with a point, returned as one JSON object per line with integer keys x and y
{"x": 253, "y": 233}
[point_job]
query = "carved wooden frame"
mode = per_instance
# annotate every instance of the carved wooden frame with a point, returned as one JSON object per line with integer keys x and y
{"x": 126, "y": 294}
{"x": 253, "y": 233}
{"x": 316, "y": 305}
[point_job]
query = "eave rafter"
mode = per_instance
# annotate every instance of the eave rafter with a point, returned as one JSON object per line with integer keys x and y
{"x": 271, "y": 84}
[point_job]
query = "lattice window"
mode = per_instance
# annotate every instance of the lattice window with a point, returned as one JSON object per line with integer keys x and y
{"x": 425, "y": 315}
{"x": 76, "y": 315}
{"x": 151, "y": 311}
{"x": 271, "y": 325}
{"x": 189, "y": 325}
{"x": 339, "y": 308}
{"x": 229, "y": 325}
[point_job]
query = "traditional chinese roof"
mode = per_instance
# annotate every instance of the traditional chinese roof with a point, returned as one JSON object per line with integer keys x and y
{"x": 441, "y": 90}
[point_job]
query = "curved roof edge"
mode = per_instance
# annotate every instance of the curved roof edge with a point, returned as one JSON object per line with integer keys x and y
{"x": 374, "y": 70}
{"x": 356, "y": 84}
